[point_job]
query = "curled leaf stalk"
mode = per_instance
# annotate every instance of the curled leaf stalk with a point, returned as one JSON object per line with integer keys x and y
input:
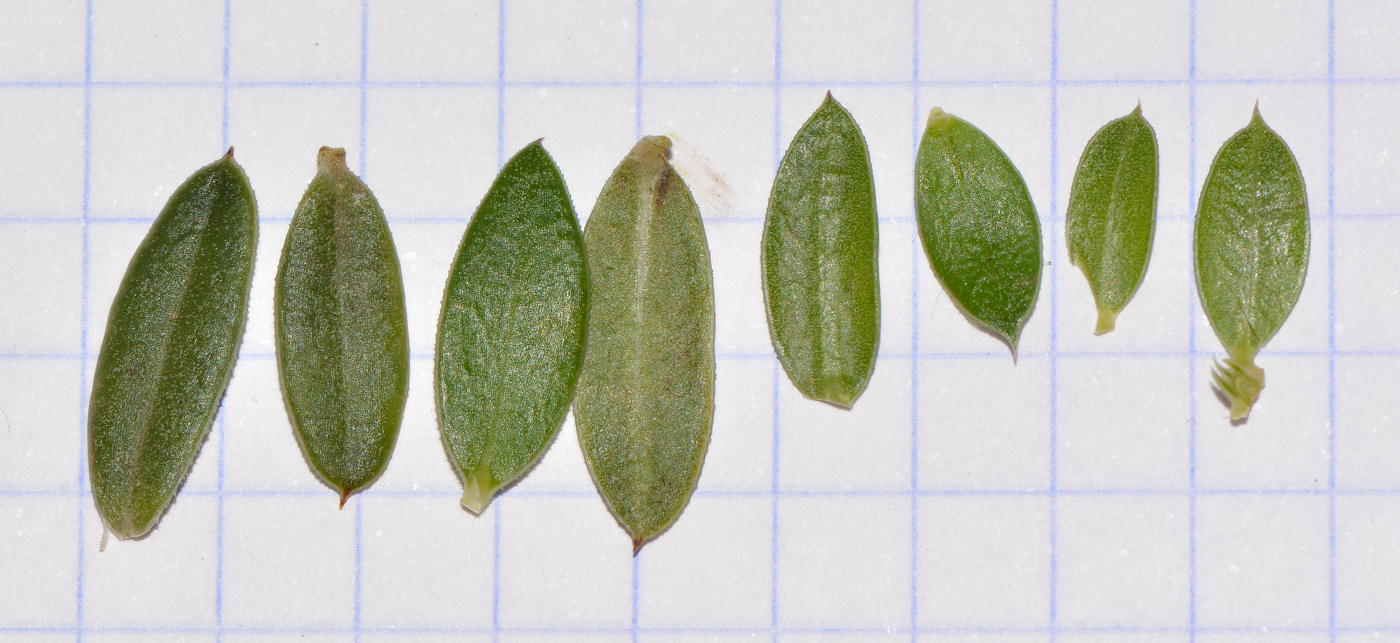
{"x": 1240, "y": 381}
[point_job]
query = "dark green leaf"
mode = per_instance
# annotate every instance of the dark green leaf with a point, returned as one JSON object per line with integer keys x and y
{"x": 978, "y": 225}
{"x": 171, "y": 342}
{"x": 514, "y": 321}
{"x": 342, "y": 334}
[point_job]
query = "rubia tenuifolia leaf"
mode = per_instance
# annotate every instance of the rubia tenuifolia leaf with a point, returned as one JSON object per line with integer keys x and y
{"x": 514, "y": 321}
{"x": 342, "y": 336}
{"x": 1251, "y": 252}
{"x": 646, "y": 396}
{"x": 978, "y": 225}
{"x": 1113, "y": 213}
{"x": 171, "y": 341}
{"x": 820, "y": 259}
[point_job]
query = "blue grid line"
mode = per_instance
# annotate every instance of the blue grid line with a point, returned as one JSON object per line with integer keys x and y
{"x": 712, "y": 631}
{"x": 914, "y": 348}
{"x": 1054, "y": 323}
{"x": 1191, "y": 335}
{"x": 224, "y": 143}
{"x": 1331, "y": 322}
{"x": 637, "y": 134}
{"x": 988, "y": 355}
{"x": 219, "y": 535}
{"x": 775, "y": 487}
{"x": 486, "y": 84}
{"x": 496, "y": 512}
{"x": 501, "y": 83}
{"x": 83, "y": 314}
{"x": 358, "y": 588}
{"x": 457, "y": 217}
{"x": 311, "y": 492}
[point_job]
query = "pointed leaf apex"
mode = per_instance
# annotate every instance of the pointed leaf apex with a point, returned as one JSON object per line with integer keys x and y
{"x": 332, "y": 159}
{"x": 1137, "y": 111}
{"x": 637, "y": 542}
{"x": 344, "y": 495}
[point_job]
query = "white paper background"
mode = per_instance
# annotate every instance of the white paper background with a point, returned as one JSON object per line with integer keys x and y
{"x": 1094, "y": 491}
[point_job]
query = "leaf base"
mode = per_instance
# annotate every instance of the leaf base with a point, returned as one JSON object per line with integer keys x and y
{"x": 1240, "y": 382}
{"x": 1107, "y": 319}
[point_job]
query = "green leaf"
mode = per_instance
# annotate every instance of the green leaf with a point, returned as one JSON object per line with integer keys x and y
{"x": 978, "y": 225}
{"x": 1251, "y": 252}
{"x": 514, "y": 321}
{"x": 1113, "y": 213}
{"x": 342, "y": 333}
{"x": 646, "y": 396}
{"x": 821, "y": 279}
{"x": 172, "y": 338}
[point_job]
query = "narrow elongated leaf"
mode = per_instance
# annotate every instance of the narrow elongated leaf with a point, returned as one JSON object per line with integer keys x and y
{"x": 1251, "y": 252}
{"x": 514, "y": 321}
{"x": 978, "y": 225}
{"x": 820, "y": 259}
{"x": 646, "y": 396}
{"x": 1113, "y": 212}
{"x": 342, "y": 334}
{"x": 172, "y": 338}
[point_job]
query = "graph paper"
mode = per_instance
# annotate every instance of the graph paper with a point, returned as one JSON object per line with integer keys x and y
{"x": 1091, "y": 491}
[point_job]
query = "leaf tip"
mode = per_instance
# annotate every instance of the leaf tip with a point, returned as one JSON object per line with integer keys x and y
{"x": 229, "y": 153}
{"x": 344, "y": 495}
{"x": 1256, "y": 117}
{"x": 939, "y": 119}
{"x": 332, "y": 159}
{"x": 1137, "y": 111}
{"x": 637, "y": 542}
{"x": 651, "y": 147}
{"x": 1107, "y": 319}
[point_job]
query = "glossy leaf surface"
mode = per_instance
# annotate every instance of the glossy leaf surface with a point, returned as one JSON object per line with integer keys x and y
{"x": 978, "y": 225}
{"x": 1252, "y": 237}
{"x": 514, "y": 321}
{"x": 1112, "y": 213}
{"x": 172, "y": 339}
{"x": 646, "y": 396}
{"x": 341, "y": 329}
{"x": 820, "y": 259}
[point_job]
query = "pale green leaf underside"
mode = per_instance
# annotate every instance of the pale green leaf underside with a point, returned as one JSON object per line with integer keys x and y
{"x": 1252, "y": 237}
{"x": 172, "y": 338}
{"x": 978, "y": 225}
{"x": 820, "y": 259}
{"x": 645, "y": 399}
{"x": 514, "y": 320}
{"x": 341, "y": 329}
{"x": 1112, "y": 213}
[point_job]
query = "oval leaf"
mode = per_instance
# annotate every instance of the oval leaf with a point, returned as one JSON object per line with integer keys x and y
{"x": 1113, "y": 212}
{"x": 172, "y": 338}
{"x": 820, "y": 259}
{"x": 1251, "y": 252}
{"x": 342, "y": 334}
{"x": 514, "y": 321}
{"x": 646, "y": 396}
{"x": 978, "y": 225}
